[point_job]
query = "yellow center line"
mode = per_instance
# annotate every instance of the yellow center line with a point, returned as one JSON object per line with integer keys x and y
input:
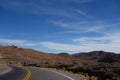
{"x": 28, "y": 75}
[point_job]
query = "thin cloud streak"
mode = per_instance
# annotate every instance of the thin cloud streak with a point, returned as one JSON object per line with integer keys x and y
{"x": 100, "y": 27}
{"x": 80, "y": 26}
{"x": 46, "y": 8}
{"x": 80, "y": 12}
{"x": 78, "y": 1}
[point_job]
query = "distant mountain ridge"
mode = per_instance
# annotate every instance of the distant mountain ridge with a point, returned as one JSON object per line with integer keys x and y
{"x": 99, "y": 56}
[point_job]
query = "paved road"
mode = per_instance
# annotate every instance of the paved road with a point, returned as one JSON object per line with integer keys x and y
{"x": 16, "y": 73}
{"x": 46, "y": 74}
{"x": 19, "y": 73}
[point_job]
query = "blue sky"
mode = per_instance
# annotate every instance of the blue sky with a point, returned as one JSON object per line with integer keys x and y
{"x": 61, "y": 25}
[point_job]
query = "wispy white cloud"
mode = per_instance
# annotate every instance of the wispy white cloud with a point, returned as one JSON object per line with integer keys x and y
{"x": 16, "y": 42}
{"x": 85, "y": 44}
{"x": 88, "y": 26}
{"x": 12, "y": 41}
{"x": 60, "y": 46}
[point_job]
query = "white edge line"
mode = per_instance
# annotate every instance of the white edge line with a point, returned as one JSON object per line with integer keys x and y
{"x": 62, "y": 75}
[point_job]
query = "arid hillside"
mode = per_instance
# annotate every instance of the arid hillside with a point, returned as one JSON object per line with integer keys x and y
{"x": 99, "y": 56}
{"x": 34, "y": 56}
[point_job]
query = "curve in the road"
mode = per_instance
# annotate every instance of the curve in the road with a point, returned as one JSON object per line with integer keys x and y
{"x": 48, "y": 74}
{"x": 33, "y": 73}
{"x": 17, "y": 73}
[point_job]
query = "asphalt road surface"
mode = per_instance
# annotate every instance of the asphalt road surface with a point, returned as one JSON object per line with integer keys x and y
{"x": 46, "y": 74}
{"x": 16, "y": 73}
{"x": 19, "y": 73}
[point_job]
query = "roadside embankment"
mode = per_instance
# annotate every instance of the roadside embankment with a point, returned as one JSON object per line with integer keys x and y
{"x": 4, "y": 69}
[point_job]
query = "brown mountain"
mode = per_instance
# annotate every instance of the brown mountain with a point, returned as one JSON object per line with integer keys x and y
{"x": 34, "y": 56}
{"x": 99, "y": 56}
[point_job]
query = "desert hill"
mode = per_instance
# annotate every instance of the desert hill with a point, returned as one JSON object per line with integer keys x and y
{"x": 99, "y": 56}
{"x": 37, "y": 57}
{"x": 34, "y": 56}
